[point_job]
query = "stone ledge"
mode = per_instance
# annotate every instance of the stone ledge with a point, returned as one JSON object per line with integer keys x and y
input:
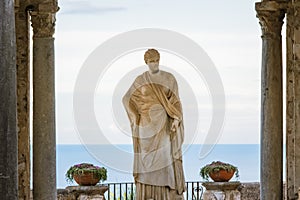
{"x": 89, "y": 190}
{"x": 221, "y": 186}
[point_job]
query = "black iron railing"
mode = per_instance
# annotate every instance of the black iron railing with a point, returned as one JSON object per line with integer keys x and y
{"x": 194, "y": 190}
{"x": 126, "y": 191}
{"x": 120, "y": 191}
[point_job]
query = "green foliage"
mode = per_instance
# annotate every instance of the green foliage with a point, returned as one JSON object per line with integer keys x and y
{"x": 78, "y": 169}
{"x": 217, "y": 166}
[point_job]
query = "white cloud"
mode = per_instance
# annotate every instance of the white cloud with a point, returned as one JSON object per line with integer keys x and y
{"x": 233, "y": 43}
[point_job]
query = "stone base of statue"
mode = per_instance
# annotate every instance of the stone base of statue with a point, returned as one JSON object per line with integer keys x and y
{"x": 222, "y": 191}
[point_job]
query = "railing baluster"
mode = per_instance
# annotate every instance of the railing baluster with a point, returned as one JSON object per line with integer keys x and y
{"x": 114, "y": 191}
{"x": 193, "y": 190}
{"x": 108, "y": 191}
{"x": 198, "y": 191}
{"x": 131, "y": 191}
{"x": 126, "y": 191}
{"x": 120, "y": 185}
{"x": 187, "y": 190}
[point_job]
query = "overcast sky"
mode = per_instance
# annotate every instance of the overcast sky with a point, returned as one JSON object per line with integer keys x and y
{"x": 228, "y": 31}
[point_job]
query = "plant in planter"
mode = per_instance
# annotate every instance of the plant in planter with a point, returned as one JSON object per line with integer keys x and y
{"x": 219, "y": 171}
{"x": 86, "y": 174}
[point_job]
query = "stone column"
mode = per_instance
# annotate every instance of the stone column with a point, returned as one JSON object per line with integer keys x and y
{"x": 293, "y": 100}
{"x": 8, "y": 104}
{"x": 44, "y": 142}
{"x": 23, "y": 101}
{"x": 271, "y": 17}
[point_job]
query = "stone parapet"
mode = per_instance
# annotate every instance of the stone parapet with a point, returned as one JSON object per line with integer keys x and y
{"x": 250, "y": 191}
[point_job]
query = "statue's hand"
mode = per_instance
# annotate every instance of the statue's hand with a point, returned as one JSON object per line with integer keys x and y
{"x": 175, "y": 125}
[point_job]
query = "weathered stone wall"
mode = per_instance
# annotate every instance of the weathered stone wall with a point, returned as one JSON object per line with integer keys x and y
{"x": 250, "y": 191}
{"x": 8, "y": 104}
{"x": 293, "y": 99}
{"x": 23, "y": 101}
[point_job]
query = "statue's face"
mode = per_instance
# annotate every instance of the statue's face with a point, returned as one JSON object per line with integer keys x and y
{"x": 153, "y": 64}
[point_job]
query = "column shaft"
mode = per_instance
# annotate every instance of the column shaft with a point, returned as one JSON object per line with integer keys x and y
{"x": 44, "y": 142}
{"x": 8, "y": 105}
{"x": 23, "y": 102}
{"x": 271, "y": 103}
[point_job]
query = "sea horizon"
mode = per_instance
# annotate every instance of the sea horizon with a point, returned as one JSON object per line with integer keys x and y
{"x": 244, "y": 156}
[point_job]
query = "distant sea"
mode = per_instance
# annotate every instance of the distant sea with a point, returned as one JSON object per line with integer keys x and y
{"x": 245, "y": 156}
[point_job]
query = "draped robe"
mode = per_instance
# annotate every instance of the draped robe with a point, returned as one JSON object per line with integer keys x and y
{"x": 152, "y": 103}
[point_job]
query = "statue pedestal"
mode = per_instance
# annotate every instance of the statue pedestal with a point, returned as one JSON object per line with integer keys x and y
{"x": 222, "y": 191}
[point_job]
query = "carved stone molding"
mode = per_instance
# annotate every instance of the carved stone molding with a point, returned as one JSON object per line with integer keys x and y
{"x": 271, "y": 22}
{"x": 271, "y": 15}
{"x": 43, "y": 24}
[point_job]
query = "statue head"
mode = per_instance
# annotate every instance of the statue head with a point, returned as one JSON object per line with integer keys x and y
{"x": 150, "y": 55}
{"x": 151, "y": 58}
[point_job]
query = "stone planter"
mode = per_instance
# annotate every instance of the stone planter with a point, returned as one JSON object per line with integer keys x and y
{"x": 221, "y": 175}
{"x": 86, "y": 179}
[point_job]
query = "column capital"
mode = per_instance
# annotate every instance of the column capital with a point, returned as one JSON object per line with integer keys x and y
{"x": 43, "y": 20}
{"x": 271, "y": 15}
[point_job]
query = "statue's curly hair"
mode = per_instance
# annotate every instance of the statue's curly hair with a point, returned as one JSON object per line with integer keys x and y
{"x": 150, "y": 53}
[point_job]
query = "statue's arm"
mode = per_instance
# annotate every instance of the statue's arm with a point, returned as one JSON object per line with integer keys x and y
{"x": 130, "y": 106}
{"x": 175, "y": 99}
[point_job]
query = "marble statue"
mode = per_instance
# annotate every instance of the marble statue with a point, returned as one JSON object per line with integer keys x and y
{"x": 155, "y": 114}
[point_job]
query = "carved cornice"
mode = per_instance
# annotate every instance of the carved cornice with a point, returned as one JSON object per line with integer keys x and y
{"x": 271, "y": 15}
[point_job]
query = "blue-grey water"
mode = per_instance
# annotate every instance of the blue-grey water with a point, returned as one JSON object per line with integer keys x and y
{"x": 118, "y": 160}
